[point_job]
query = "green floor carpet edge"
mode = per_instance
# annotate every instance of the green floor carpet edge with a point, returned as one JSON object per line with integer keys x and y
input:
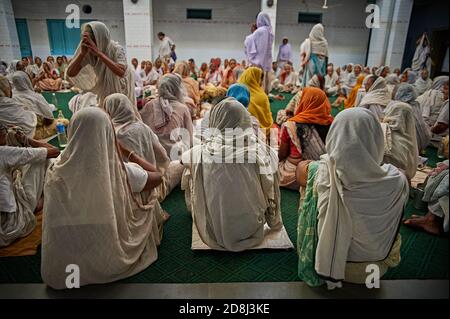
{"x": 423, "y": 256}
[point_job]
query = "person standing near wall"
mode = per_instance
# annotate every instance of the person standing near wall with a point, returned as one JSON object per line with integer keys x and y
{"x": 258, "y": 47}
{"x": 166, "y": 45}
{"x": 284, "y": 53}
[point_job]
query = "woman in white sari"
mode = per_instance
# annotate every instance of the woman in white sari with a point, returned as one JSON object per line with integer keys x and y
{"x": 94, "y": 214}
{"x": 421, "y": 59}
{"x": 352, "y": 211}
{"x": 13, "y": 113}
{"x": 423, "y": 83}
{"x": 433, "y": 100}
{"x": 377, "y": 97}
{"x": 100, "y": 65}
{"x": 230, "y": 194}
{"x": 400, "y": 142}
{"x": 314, "y": 54}
{"x": 406, "y": 93}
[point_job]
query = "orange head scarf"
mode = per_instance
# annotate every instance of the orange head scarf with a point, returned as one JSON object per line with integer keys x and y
{"x": 350, "y": 101}
{"x": 314, "y": 108}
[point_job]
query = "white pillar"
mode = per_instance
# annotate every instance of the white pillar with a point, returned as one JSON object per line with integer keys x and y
{"x": 9, "y": 41}
{"x": 138, "y": 24}
{"x": 387, "y": 43}
{"x": 272, "y": 12}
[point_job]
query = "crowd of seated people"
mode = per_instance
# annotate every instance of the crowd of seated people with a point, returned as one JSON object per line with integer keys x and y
{"x": 153, "y": 126}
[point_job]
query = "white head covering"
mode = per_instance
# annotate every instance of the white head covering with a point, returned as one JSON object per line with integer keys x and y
{"x": 24, "y": 94}
{"x": 400, "y": 137}
{"x": 377, "y": 94}
{"x": 13, "y": 113}
{"x": 407, "y": 94}
{"x": 354, "y": 225}
{"x": 111, "y": 233}
{"x": 82, "y": 100}
{"x": 421, "y": 54}
{"x": 170, "y": 88}
{"x": 319, "y": 45}
{"x": 95, "y": 76}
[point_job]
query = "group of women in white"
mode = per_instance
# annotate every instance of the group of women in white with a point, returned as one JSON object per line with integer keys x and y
{"x": 102, "y": 207}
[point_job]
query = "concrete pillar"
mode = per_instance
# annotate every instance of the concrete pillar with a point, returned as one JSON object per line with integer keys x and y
{"x": 272, "y": 11}
{"x": 9, "y": 40}
{"x": 138, "y": 25}
{"x": 387, "y": 43}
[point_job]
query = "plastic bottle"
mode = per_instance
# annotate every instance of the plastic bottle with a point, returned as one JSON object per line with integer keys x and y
{"x": 62, "y": 137}
{"x": 60, "y": 115}
{"x": 54, "y": 100}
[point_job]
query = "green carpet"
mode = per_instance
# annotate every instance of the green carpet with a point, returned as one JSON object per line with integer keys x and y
{"x": 423, "y": 256}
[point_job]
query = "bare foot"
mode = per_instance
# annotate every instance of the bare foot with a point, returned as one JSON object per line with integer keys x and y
{"x": 428, "y": 223}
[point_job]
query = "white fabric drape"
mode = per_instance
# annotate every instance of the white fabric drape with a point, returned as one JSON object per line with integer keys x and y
{"x": 360, "y": 201}
{"x": 91, "y": 218}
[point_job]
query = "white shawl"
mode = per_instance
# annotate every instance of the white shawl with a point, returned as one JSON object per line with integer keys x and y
{"x": 420, "y": 55}
{"x": 82, "y": 100}
{"x": 91, "y": 218}
{"x": 23, "y": 93}
{"x": 360, "y": 201}
{"x": 95, "y": 76}
{"x": 377, "y": 94}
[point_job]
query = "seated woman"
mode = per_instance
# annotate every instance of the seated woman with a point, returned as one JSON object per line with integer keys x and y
{"x": 190, "y": 85}
{"x": 108, "y": 236}
{"x": 433, "y": 100}
{"x": 351, "y": 214}
{"x": 288, "y": 111}
{"x": 13, "y": 113}
{"x": 355, "y": 95}
{"x": 259, "y": 102}
{"x": 436, "y": 194}
{"x": 248, "y": 191}
{"x": 22, "y": 174}
{"x": 392, "y": 81}
{"x": 32, "y": 101}
{"x": 303, "y": 135}
{"x": 167, "y": 112}
{"x": 214, "y": 75}
{"x": 137, "y": 137}
{"x": 288, "y": 79}
{"x": 400, "y": 142}
{"x": 48, "y": 80}
{"x": 332, "y": 84}
{"x": 229, "y": 75}
{"x": 377, "y": 95}
{"x": 407, "y": 94}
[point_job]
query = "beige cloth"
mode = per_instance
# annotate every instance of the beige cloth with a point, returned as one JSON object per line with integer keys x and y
{"x": 377, "y": 98}
{"x": 399, "y": 129}
{"x": 95, "y": 76}
{"x": 91, "y": 217}
{"x": 354, "y": 225}
{"x": 230, "y": 200}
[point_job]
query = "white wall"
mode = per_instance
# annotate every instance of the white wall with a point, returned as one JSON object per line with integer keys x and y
{"x": 9, "y": 42}
{"x": 223, "y": 36}
{"x": 344, "y": 23}
{"x": 36, "y": 12}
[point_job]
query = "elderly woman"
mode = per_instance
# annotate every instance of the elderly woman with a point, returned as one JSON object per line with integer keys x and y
{"x": 356, "y": 94}
{"x": 352, "y": 79}
{"x": 303, "y": 135}
{"x": 259, "y": 102}
{"x": 392, "y": 81}
{"x": 400, "y": 142}
{"x": 14, "y": 113}
{"x": 433, "y": 100}
{"x": 108, "y": 236}
{"x": 332, "y": 84}
{"x": 190, "y": 85}
{"x": 32, "y": 101}
{"x": 100, "y": 64}
{"x": 22, "y": 173}
{"x": 314, "y": 54}
{"x": 258, "y": 47}
{"x": 343, "y": 226}
{"x": 288, "y": 79}
{"x": 220, "y": 171}
{"x": 423, "y": 83}
{"x": 48, "y": 79}
{"x": 167, "y": 113}
{"x": 377, "y": 95}
{"x": 407, "y": 94}
{"x": 137, "y": 137}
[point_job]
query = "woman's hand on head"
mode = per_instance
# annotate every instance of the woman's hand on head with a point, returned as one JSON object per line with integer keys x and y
{"x": 89, "y": 44}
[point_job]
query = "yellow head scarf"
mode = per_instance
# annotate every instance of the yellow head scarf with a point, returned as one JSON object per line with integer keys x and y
{"x": 259, "y": 105}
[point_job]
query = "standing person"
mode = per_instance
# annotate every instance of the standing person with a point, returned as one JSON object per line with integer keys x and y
{"x": 314, "y": 54}
{"x": 100, "y": 64}
{"x": 421, "y": 59}
{"x": 166, "y": 45}
{"x": 258, "y": 47}
{"x": 284, "y": 53}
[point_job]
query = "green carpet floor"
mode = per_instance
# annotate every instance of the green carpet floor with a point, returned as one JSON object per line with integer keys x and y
{"x": 423, "y": 256}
